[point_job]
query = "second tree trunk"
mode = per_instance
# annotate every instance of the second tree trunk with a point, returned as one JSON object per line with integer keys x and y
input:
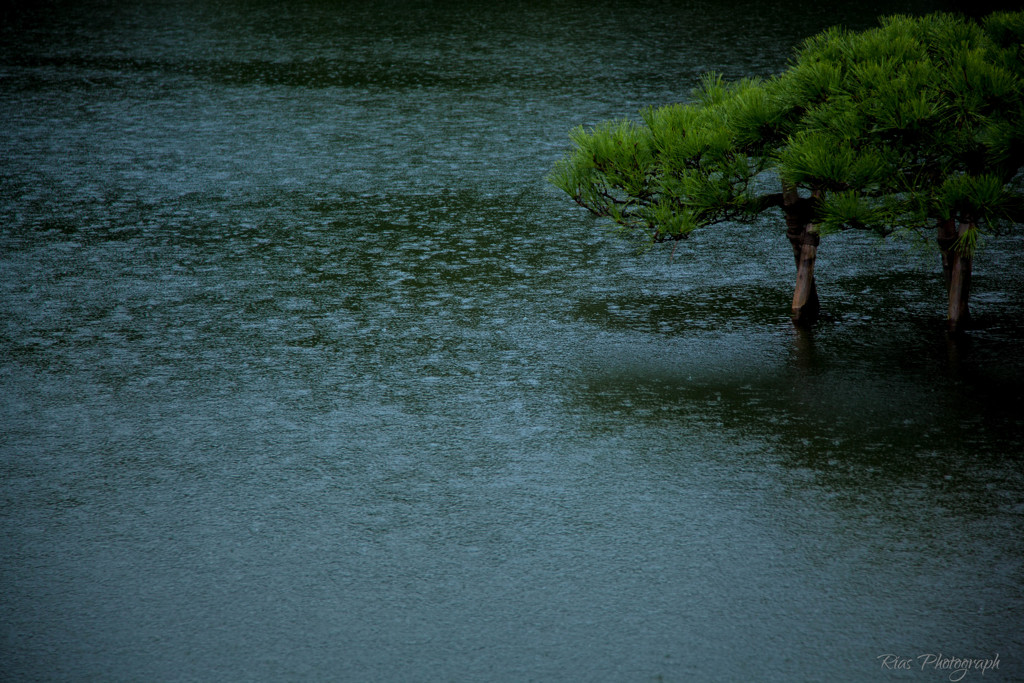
{"x": 804, "y": 239}
{"x": 956, "y": 271}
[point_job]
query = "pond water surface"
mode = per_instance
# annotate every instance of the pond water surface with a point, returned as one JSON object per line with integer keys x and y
{"x": 306, "y": 373}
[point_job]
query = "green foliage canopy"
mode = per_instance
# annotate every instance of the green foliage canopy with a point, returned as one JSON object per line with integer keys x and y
{"x": 916, "y": 121}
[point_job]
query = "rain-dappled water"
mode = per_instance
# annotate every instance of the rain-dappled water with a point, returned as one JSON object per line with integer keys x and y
{"x": 307, "y": 374}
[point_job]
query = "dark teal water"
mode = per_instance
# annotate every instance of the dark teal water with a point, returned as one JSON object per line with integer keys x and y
{"x": 307, "y": 374}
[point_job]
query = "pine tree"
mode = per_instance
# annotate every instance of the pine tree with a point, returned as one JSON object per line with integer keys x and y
{"x": 915, "y": 124}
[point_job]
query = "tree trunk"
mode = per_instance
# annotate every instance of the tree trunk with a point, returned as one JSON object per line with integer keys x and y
{"x": 959, "y": 285}
{"x": 956, "y": 272}
{"x": 946, "y": 238}
{"x": 804, "y": 239}
{"x": 805, "y": 308}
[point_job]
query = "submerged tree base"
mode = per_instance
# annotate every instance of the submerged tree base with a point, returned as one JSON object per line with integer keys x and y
{"x": 806, "y": 315}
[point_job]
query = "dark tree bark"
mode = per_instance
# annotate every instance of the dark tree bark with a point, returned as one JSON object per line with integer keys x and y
{"x": 946, "y": 237}
{"x": 960, "y": 286}
{"x": 804, "y": 240}
{"x": 956, "y": 271}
